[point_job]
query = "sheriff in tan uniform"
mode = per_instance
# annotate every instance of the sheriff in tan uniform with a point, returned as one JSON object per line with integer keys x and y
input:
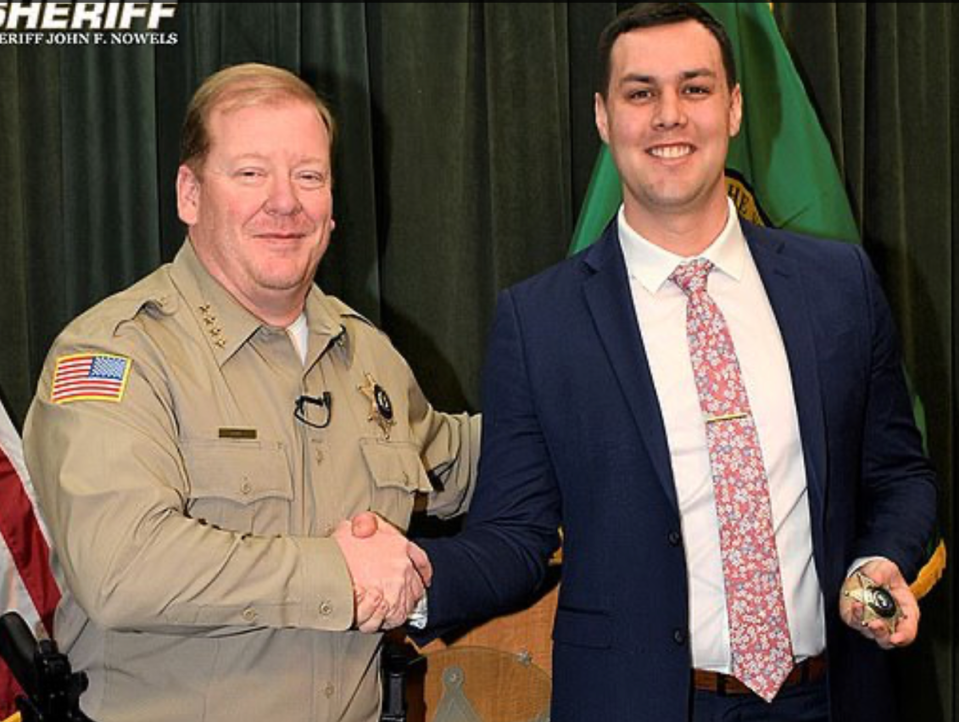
{"x": 193, "y": 509}
{"x": 197, "y": 507}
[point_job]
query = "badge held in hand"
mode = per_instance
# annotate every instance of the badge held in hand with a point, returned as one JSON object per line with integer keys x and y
{"x": 877, "y": 601}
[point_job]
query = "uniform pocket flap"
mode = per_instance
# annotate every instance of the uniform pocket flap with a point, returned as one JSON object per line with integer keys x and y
{"x": 241, "y": 471}
{"x": 583, "y": 628}
{"x": 395, "y": 464}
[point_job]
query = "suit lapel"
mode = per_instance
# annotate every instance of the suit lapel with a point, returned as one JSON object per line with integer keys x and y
{"x": 790, "y": 304}
{"x": 610, "y": 303}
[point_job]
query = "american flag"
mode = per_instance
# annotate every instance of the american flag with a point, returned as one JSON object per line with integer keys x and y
{"x": 89, "y": 376}
{"x": 28, "y": 582}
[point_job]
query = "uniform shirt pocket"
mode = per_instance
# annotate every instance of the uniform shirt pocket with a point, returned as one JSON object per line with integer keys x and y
{"x": 242, "y": 486}
{"x": 397, "y": 474}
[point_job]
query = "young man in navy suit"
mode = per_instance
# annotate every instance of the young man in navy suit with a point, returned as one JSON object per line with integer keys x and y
{"x": 593, "y": 423}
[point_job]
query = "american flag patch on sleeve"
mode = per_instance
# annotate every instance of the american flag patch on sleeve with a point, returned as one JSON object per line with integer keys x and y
{"x": 90, "y": 377}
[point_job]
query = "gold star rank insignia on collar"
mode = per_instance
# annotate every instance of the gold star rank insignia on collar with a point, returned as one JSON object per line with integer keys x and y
{"x": 212, "y": 327}
{"x": 381, "y": 410}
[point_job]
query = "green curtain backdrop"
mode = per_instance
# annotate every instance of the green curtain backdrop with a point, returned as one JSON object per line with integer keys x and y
{"x": 465, "y": 149}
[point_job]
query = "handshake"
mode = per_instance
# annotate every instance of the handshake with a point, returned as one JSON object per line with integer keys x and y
{"x": 390, "y": 573}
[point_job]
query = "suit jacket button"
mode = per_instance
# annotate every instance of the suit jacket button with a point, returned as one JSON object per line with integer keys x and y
{"x": 679, "y": 636}
{"x": 674, "y": 538}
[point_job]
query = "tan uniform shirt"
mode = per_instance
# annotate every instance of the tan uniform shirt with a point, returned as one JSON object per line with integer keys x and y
{"x": 192, "y": 512}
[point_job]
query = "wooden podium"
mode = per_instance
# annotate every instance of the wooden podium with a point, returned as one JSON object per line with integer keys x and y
{"x": 499, "y": 671}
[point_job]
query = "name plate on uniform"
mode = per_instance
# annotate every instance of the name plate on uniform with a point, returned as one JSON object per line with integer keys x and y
{"x": 236, "y": 433}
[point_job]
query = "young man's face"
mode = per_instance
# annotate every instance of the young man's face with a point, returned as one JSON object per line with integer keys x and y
{"x": 260, "y": 208}
{"x": 667, "y": 118}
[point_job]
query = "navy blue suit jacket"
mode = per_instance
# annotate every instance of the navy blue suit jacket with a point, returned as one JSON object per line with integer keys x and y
{"x": 573, "y": 437}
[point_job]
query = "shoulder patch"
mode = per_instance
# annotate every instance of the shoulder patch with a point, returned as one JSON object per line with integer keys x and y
{"x": 90, "y": 377}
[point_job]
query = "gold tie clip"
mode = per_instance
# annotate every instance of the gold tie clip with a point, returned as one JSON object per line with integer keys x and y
{"x": 727, "y": 417}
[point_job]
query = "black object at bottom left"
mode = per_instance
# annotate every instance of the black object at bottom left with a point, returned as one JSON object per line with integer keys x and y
{"x": 52, "y": 689}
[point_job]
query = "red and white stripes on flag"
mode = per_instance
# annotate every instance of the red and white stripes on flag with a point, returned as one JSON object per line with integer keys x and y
{"x": 86, "y": 376}
{"x": 27, "y": 582}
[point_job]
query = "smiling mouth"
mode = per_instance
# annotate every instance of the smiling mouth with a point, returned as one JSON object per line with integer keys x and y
{"x": 281, "y": 236}
{"x": 671, "y": 152}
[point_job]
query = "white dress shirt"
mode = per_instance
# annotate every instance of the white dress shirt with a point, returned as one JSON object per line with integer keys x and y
{"x": 737, "y": 289}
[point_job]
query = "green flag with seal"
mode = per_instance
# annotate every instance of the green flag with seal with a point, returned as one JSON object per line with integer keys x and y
{"x": 780, "y": 170}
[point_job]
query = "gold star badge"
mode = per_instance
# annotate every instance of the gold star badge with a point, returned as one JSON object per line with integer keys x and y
{"x": 381, "y": 410}
{"x": 876, "y": 600}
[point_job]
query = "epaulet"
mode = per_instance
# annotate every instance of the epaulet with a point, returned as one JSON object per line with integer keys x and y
{"x": 346, "y": 311}
{"x": 155, "y": 294}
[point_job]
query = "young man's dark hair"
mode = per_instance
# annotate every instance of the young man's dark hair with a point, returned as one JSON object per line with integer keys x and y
{"x": 651, "y": 15}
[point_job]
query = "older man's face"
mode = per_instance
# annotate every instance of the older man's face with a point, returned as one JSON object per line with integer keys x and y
{"x": 260, "y": 210}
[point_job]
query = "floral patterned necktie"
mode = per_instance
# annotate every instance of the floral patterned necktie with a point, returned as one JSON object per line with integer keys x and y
{"x": 760, "y": 645}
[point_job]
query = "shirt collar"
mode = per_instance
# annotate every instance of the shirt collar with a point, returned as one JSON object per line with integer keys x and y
{"x": 652, "y": 265}
{"x": 225, "y": 323}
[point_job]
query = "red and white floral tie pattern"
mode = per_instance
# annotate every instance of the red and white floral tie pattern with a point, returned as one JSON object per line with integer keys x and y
{"x": 759, "y": 640}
